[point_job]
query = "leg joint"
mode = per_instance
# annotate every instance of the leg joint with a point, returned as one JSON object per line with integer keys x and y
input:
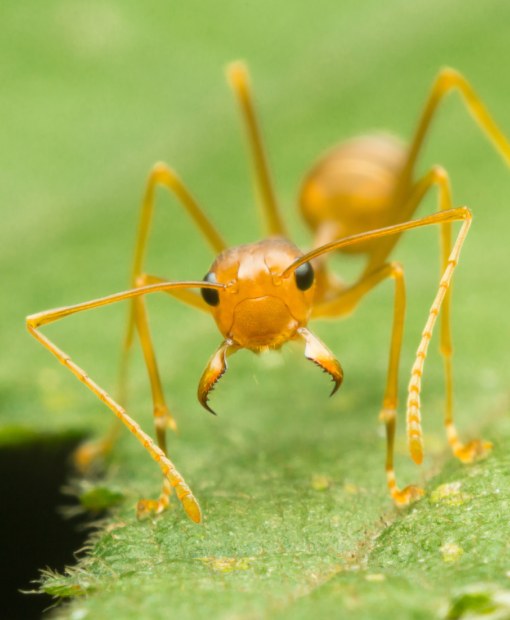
{"x": 159, "y": 171}
{"x": 447, "y": 78}
{"x": 140, "y": 280}
{"x": 439, "y": 174}
{"x": 396, "y": 270}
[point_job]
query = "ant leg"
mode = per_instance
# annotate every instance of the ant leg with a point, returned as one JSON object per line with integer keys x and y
{"x": 446, "y": 81}
{"x": 237, "y": 74}
{"x": 172, "y": 476}
{"x": 163, "y": 418}
{"x": 162, "y": 175}
{"x": 476, "y": 448}
{"x": 344, "y": 304}
{"x": 437, "y": 176}
{"x": 165, "y": 176}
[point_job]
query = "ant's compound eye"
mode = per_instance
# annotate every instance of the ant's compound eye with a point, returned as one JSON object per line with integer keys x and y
{"x": 210, "y": 295}
{"x": 304, "y": 276}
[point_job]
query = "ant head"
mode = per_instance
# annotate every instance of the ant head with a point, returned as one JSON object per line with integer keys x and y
{"x": 259, "y": 308}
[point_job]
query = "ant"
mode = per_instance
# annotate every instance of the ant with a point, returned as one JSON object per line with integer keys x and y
{"x": 359, "y": 198}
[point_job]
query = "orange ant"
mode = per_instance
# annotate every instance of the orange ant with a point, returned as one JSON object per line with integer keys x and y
{"x": 358, "y": 198}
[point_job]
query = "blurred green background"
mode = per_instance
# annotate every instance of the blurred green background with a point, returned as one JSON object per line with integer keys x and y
{"x": 93, "y": 93}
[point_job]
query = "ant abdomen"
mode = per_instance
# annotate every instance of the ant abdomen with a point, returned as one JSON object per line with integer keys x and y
{"x": 351, "y": 188}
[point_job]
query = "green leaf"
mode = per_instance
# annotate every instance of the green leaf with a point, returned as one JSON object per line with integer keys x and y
{"x": 98, "y": 498}
{"x": 298, "y": 522}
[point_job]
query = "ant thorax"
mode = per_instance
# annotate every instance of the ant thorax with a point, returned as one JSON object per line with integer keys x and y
{"x": 258, "y": 308}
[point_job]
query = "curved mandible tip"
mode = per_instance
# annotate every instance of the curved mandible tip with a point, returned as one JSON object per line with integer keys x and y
{"x": 215, "y": 369}
{"x": 319, "y": 354}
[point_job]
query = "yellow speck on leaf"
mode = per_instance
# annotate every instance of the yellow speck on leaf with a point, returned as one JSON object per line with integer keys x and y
{"x": 451, "y": 552}
{"x": 351, "y": 488}
{"x": 450, "y": 494}
{"x": 227, "y": 565}
{"x": 375, "y": 577}
{"x": 320, "y": 482}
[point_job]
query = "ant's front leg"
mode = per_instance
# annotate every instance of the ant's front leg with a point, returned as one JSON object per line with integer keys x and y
{"x": 345, "y": 303}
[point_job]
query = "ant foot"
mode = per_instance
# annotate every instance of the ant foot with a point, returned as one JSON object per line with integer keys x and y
{"x": 407, "y": 496}
{"x": 88, "y": 454}
{"x": 150, "y": 507}
{"x": 473, "y": 451}
{"x": 192, "y": 508}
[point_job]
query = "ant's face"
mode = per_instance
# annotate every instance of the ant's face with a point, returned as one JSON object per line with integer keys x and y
{"x": 259, "y": 309}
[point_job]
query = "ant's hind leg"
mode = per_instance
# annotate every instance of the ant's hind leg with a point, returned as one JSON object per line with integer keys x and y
{"x": 239, "y": 79}
{"x": 446, "y": 81}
